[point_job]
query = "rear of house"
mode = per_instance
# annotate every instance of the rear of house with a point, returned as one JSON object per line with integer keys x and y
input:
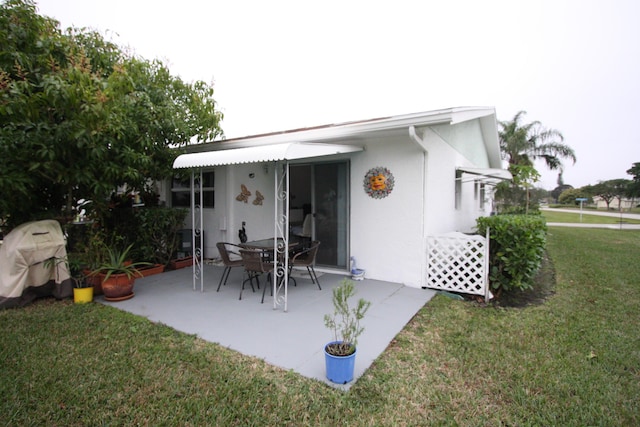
{"x": 369, "y": 190}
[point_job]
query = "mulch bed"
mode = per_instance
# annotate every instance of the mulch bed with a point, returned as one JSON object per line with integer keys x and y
{"x": 543, "y": 287}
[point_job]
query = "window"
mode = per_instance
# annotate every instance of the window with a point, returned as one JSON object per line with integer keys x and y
{"x": 181, "y": 191}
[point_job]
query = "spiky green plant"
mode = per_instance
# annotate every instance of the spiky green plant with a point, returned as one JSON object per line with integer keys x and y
{"x": 117, "y": 262}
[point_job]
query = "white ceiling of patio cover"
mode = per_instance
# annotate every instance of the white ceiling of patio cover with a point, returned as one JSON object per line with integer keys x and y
{"x": 487, "y": 172}
{"x": 261, "y": 153}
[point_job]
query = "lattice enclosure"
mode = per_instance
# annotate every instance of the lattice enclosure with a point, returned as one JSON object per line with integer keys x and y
{"x": 458, "y": 262}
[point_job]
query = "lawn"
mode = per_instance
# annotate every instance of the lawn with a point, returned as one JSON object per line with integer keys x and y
{"x": 587, "y": 218}
{"x": 572, "y": 361}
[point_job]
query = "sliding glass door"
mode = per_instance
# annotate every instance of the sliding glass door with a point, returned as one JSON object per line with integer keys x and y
{"x": 320, "y": 192}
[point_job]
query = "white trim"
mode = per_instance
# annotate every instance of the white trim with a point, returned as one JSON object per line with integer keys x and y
{"x": 261, "y": 153}
{"x": 501, "y": 174}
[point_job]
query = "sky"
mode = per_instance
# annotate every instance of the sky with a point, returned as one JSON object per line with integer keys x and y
{"x": 278, "y": 65}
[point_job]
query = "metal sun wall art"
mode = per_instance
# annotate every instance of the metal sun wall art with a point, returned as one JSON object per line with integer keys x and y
{"x": 245, "y": 193}
{"x": 378, "y": 182}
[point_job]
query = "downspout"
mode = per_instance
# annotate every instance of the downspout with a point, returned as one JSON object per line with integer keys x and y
{"x": 425, "y": 156}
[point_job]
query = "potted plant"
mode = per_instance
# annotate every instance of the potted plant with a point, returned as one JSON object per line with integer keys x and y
{"x": 345, "y": 324}
{"x": 118, "y": 274}
{"x": 82, "y": 290}
{"x": 92, "y": 251}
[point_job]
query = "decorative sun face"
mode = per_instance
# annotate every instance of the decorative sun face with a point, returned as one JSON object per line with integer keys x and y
{"x": 378, "y": 182}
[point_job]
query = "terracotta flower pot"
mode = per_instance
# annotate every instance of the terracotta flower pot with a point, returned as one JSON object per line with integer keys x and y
{"x": 181, "y": 263}
{"x": 118, "y": 287}
{"x": 151, "y": 270}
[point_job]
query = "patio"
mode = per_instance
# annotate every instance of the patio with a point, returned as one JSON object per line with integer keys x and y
{"x": 293, "y": 340}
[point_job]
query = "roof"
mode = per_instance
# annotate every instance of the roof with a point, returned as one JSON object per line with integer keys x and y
{"x": 261, "y": 153}
{"x": 354, "y": 129}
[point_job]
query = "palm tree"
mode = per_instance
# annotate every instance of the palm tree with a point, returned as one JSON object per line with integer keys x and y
{"x": 522, "y": 144}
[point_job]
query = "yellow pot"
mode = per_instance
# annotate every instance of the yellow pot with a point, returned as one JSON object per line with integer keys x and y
{"x": 82, "y": 295}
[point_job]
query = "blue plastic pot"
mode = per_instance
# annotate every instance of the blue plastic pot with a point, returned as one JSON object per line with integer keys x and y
{"x": 339, "y": 368}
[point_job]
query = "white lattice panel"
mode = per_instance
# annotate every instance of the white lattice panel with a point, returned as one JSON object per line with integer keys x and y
{"x": 458, "y": 262}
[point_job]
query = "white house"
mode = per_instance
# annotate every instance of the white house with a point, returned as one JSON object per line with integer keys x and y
{"x": 614, "y": 204}
{"x": 371, "y": 189}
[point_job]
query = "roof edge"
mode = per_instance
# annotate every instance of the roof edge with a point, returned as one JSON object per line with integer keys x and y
{"x": 316, "y": 133}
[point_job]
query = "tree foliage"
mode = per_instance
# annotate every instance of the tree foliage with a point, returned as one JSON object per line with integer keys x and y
{"x": 557, "y": 192}
{"x": 569, "y": 196}
{"x": 633, "y": 190}
{"x": 613, "y": 189}
{"x": 79, "y": 117}
{"x": 521, "y": 145}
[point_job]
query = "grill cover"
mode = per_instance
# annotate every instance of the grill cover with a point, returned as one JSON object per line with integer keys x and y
{"x": 23, "y": 275}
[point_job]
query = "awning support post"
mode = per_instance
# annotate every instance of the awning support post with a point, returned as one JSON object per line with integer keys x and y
{"x": 281, "y": 234}
{"x": 197, "y": 241}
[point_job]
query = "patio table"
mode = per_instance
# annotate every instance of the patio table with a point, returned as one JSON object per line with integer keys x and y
{"x": 266, "y": 245}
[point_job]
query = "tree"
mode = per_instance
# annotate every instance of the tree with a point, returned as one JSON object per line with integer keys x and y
{"x": 569, "y": 196}
{"x": 634, "y": 186}
{"x": 558, "y": 191}
{"x": 522, "y": 144}
{"x": 79, "y": 117}
{"x": 611, "y": 190}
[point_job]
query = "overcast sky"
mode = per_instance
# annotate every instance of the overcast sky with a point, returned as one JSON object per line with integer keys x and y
{"x": 277, "y": 65}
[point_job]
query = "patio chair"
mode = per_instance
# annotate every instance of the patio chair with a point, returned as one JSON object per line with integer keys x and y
{"x": 226, "y": 250}
{"x": 306, "y": 258}
{"x": 255, "y": 265}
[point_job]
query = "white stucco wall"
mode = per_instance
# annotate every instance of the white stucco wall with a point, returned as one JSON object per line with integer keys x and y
{"x": 443, "y": 160}
{"x": 221, "y": 224}
{"x": 386, "y": 233}
{"x": 259, "y": 218}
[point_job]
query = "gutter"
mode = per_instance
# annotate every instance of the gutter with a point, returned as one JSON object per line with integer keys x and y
{"x": 423, "y": 193}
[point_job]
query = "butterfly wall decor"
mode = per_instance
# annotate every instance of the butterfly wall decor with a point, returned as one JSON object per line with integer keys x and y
{"x": 244, "y": 194}
{"x": 259, "y": 199}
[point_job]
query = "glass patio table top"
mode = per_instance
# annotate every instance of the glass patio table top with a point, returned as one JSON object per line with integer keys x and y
{"x": 266, "y": 244}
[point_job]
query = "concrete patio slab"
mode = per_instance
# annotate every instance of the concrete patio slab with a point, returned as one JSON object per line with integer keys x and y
{"x": 293, "y": 340}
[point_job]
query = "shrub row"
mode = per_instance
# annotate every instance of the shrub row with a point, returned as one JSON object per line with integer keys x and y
{"x": 517, "y": 244}
{"x": 152, "y": 232}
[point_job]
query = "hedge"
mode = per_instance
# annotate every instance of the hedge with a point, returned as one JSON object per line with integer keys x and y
{"x": 517, "y": 244}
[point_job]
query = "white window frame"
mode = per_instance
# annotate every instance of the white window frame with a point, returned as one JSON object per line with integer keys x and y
{"x": 208, "y": 177}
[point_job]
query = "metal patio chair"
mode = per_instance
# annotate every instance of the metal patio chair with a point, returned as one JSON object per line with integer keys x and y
{"x": 306, "y": 258}
{"x": 255, "y": 264}
{"x": 226, "y": 250}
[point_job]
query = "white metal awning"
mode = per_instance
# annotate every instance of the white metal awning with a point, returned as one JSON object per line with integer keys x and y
{"x": 261, "y": 153}
{"x": 500, "y": 174}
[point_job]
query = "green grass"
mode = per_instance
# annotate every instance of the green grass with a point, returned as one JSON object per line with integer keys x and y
{"x": 587, "y": 218}
{"x": 572, "y": 361}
